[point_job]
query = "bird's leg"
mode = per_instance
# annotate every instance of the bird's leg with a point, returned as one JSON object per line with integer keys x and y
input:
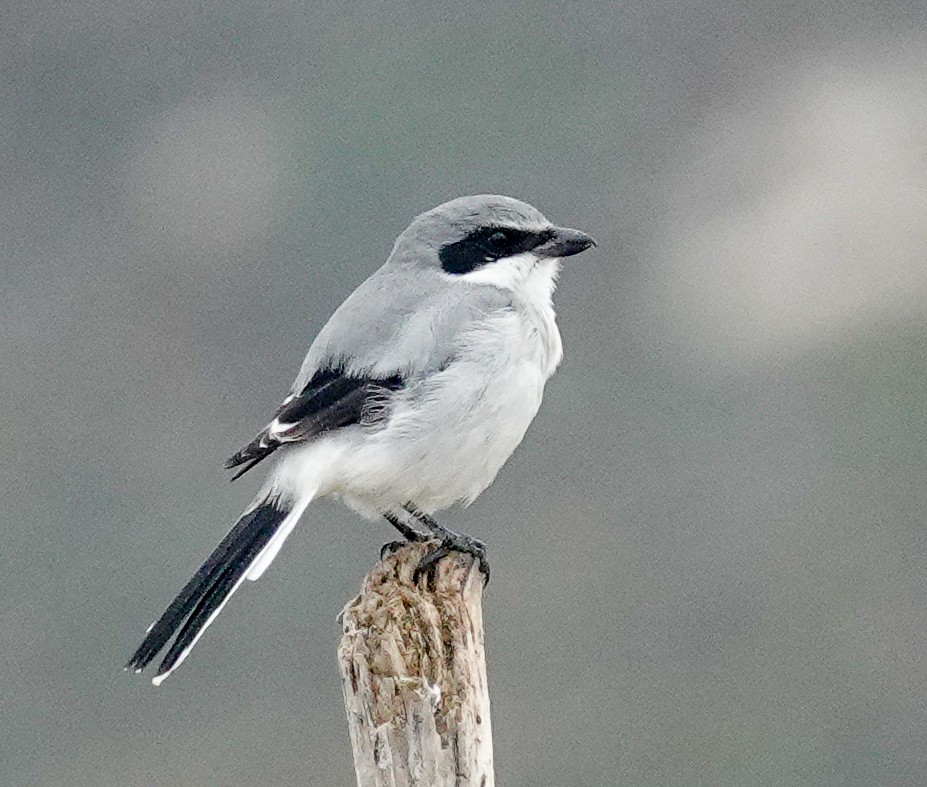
{"x": 450, "y": 542}
{"x": 408, "y": 532}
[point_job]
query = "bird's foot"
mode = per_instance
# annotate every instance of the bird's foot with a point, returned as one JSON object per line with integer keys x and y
{"x": 453, "y": 542}
{"x": 391, "y": 547}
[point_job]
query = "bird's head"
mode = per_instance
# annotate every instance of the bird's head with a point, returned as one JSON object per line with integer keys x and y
{"x": 487, "y": 239}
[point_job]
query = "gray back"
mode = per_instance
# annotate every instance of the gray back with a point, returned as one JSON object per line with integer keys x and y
{"x": 406, "y": 316}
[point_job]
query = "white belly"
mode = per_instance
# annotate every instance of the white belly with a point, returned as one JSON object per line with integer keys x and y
{"x": 447, "y": 438}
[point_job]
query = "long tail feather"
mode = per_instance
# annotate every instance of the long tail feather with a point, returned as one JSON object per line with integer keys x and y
{"x": 269, "y": 552}
{"x": 208, "y": 608}
{"x": 203, "y": 597}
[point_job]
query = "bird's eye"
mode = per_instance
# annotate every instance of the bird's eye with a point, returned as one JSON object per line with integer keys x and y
{"x": 498, "y": 240}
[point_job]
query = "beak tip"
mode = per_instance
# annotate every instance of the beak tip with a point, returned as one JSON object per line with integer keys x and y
{"x": 568, "y": 242}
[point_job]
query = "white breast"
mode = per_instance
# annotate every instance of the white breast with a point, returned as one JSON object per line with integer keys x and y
{"x": 448, "y": 436}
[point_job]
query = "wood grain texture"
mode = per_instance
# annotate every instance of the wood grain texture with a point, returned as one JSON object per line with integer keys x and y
{"x": 413, "y": 671}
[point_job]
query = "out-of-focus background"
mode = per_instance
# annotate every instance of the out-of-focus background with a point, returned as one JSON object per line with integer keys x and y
{"x": 709, "y": 554}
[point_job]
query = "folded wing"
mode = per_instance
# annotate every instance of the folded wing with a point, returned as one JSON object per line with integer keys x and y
{"x": 330, "y": 400}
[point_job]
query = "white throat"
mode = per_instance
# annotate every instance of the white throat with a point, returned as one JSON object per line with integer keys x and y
{"x": 526, "y": 275}
{"x": 532, "y": 281}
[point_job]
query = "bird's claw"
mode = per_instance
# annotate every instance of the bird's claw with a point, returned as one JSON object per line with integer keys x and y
{"x": 391, "y": 547}
{"x": 412, "y": 537}
{"x": 456, "y": 543}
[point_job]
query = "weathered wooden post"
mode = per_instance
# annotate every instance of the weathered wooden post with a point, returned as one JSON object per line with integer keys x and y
{"x": 413, "y": 670}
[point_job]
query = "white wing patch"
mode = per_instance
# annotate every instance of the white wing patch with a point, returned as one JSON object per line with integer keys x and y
{"x": 276, "y": 428}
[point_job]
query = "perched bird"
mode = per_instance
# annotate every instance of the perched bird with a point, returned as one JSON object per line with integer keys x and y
{"x": 411, "y": 398}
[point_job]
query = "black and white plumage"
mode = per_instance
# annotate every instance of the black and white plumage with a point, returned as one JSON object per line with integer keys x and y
{"x": 410, "y": 399}
{"x": 330, "y": 400}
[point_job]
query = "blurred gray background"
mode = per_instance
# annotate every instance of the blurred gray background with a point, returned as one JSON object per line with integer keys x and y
{"x": 709, "y": 554}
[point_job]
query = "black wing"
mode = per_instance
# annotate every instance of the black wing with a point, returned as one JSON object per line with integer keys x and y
{"x": 330, "y": 400}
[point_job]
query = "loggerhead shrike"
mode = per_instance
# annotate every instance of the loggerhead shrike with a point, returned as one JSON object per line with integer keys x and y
{"x": 411, "y": 398}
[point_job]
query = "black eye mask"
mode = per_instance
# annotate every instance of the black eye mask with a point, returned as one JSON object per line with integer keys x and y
{"x": 486, "y": 245}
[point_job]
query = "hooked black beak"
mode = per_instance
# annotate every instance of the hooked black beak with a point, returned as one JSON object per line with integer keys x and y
{"x": 565, "y": 242}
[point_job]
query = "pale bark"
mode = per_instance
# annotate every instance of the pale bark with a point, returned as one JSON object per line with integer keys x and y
{"x": 413, "y": 671}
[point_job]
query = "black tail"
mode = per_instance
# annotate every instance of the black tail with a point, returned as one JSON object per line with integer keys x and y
{"x": 208, "y": 590}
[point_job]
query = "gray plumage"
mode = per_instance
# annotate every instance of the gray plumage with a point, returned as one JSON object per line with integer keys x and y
{"x": 405, "y": 317}
{"x": 375, "y": 332}
{"x": 411, "y": 398}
